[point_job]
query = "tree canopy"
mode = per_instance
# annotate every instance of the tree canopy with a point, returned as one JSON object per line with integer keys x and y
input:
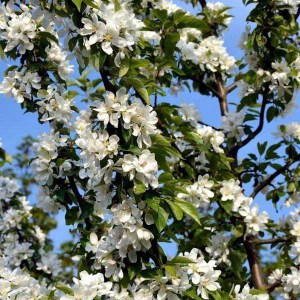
{"x": 131, "y": 170}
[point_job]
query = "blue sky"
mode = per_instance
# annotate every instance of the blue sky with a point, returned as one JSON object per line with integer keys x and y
{"x": 15, "y": 124}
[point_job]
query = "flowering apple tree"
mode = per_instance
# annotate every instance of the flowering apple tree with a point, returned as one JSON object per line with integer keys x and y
{"x": 130, "y": 170}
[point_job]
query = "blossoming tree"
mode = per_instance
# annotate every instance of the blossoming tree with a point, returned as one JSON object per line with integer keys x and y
{"x": 130, "y": 170}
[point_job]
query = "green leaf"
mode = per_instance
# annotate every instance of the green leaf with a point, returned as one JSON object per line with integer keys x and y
{"x": 91, "y": 4}
{"x": 160, "y": 140}
{"x": 238, "y": 231}
{"x": 176, "y": 210}
{"x": 98, "y": 60}
{"x": 227, "y": 206}
{"x": 77, "y": 3}
{"x": 188, "y": 209}
{"x": 88, "y": 210}
{"x": 5, "y": 156}
{"x": 72, "y": 43}
{"x": 140, "y": 88}
{"x": 71, "y": 215}
{"x": 161, "y": 219}
{"x": 262, "y": 147}
{"x": 117, "y": 5}
{"x": 180, "y": 260}
{"x": 192, "y": 294}
{"x": 124, "y": 67}
{"x": 272, "y": 113}
{"x": 170, "y": 270}
{"x": 11, "y": 68}
{"x": 138, "y": 188}
{"x": 48, "y": 36}
{"x": 2, "y": 54}
{"x": 64, "y": 288}
{"x": 165, "y": 178}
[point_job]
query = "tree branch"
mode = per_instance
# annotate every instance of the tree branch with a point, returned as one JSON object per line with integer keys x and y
{"x": 273, "y": 286}
{"x": 232, "y": 87}
{"x": 282, "y": 239}
{"x": 259, "y": 128}
{"x": 75, "y": 191}
{"x": 265, "y": 183}
{"x": 257, "y": 274}
{"x": 298, "y": 13}
{"x": 107, "y": 84}
{"x": 203, "y": 3}
{"x": 222, "y": 94}
{"x": 211, "y": 89}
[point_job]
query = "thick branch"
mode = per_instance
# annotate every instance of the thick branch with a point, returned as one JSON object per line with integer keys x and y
{"x": 222, "y": 94}
{"x": 280, "y": 171}
{"x": 257, "y": 274}
{"x": 203, "y": 3}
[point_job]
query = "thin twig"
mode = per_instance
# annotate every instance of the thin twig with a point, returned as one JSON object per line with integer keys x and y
{"x": 232, "y": 87}
{"x": 273, "y": 286}
{"x": 298, "y": 13}
{"x": 280, "y": 171}
{"x": 76, "y": 192}
{"x": 211, "y": 89}
{"x": 259, "y": 128}
{"x": 283, "y": 239}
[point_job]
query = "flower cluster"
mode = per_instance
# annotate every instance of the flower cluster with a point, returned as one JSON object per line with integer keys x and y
{"x": 292, "y": 4}
{"x": 111, "y": 29}
{"x": 233, "y": 124}
{"x": 292, "y": 282}
{"x": 202, "y": 273}
{"x": 8, "y": 187}
{"x": 208, "y": 53}
{"x": 126, "y": 236}
{"x": 214, "y": 137}
{"x": 289, "y": 131}
{"x": 18, "y": 284}
{"x": 199, "y": 193}
{"x": 46, "y": 151}
{"x": 245, "y": 294}
{"x": 136, "y": 116}
{"x": 219, "y": 12}
{"x": 219, "y": 250}
{"x": 143, "y": 168}
{"x": 15, "y": 224}
{"x": 190, "y": 113}
{"x": 17, "y": 30}
{"x": 232, "y": 191}
{"x": 20, "y": 85}
{"x": 280, "y": 78}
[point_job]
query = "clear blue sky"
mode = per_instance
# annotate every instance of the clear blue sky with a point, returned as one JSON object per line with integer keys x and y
{"x": 15, "y": 124}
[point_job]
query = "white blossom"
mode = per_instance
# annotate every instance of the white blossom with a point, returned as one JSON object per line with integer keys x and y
{"x": 143, "y": 168}
{"x": 245, "y": 294}
{"x": 291, "y": 281}
{"x": 233, "y": 124}
{"x": 219, "y": 250}
{"x": 200, "y": 192}
{"x": 275, "y": 276}
{"x": 214, "y": 137}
